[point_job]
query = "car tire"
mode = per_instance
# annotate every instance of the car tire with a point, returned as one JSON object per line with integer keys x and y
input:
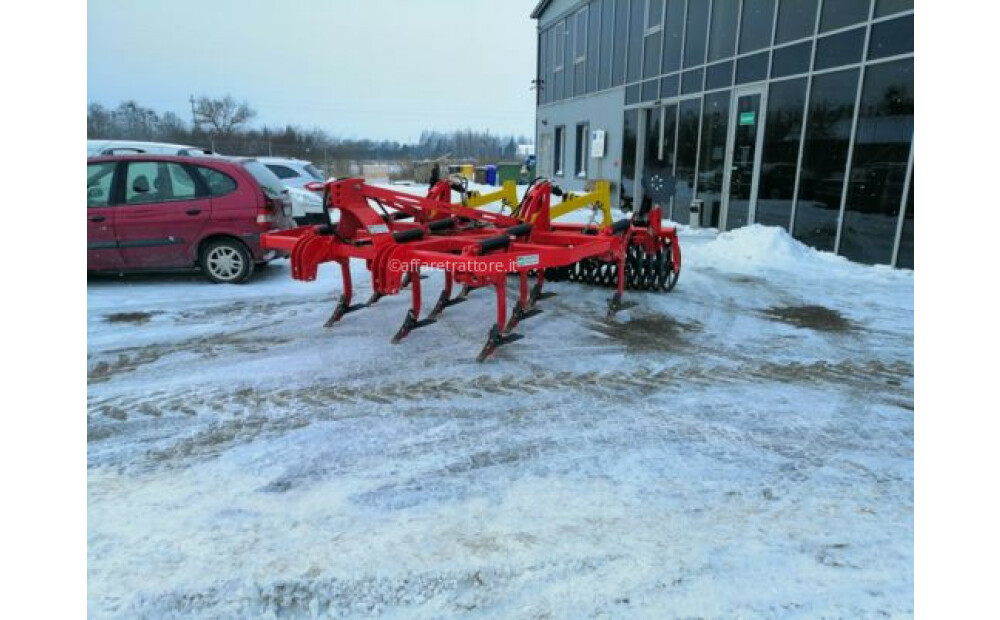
{"x": 226, "y": 261}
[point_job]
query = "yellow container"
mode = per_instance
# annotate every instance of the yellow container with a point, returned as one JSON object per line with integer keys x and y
{"x": 469, "y": 172}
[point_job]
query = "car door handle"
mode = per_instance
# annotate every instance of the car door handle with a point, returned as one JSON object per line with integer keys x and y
{"x": 97, "y": 218}
{"x": 193, "y": 211}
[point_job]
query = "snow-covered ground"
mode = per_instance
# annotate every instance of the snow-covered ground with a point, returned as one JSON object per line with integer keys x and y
{"x": 740, "y": 447}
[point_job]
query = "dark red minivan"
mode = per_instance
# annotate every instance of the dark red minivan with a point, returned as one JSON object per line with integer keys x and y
{"x": 163, "y": 212}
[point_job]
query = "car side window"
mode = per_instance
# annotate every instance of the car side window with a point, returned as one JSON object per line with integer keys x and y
{"x": 157, "y": 181}
{"x": 219, "y": 183}
{"x": 99, "y": 178}
{"x": 282, "y": 172}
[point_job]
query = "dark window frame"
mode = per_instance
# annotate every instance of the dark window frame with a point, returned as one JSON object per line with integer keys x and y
{"x": 582, "y": 155}
{"x": 559, "y": 151}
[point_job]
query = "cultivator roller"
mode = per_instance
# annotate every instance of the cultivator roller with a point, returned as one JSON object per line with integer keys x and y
{"x": 398, "y": 235}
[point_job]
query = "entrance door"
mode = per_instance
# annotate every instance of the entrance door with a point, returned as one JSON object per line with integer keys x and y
{"x": 658, "y": 183}
{"x": 743, "y": 157}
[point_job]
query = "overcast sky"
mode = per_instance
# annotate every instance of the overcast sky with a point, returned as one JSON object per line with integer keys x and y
{"x": 356, "y": 68}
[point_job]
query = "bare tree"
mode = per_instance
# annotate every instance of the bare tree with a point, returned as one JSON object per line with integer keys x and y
{"x": 222, "y": 116}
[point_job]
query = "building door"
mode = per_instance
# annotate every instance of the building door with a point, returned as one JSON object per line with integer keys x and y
{"x": 658, "y": 183}
{"x": 743, "y": 156}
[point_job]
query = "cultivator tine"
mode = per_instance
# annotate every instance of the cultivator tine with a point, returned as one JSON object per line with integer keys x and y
{"x": 518, "y": 315}
{"x": 375, "y": 297}
{"x": 445, "y": 299}
{"x": 407, "y": 279}
{"x": 466, "y": 289}
{"x": 495, "y": 340}
{"x": 524, "y": 308}
{"x": 343, "y": 307}
{"x": 615, "y": 305}
{"x": 344, "y": 303}
{"x": 538, "y": 294}
{"x": 410, "y": 323}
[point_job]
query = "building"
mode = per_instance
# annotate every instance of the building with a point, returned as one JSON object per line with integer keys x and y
{"x": 792, "y": 113}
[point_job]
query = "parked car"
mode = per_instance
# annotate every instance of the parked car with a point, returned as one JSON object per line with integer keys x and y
{"x": 293, "y": 172}
{"x": 126, "y": 147}
{"x": 307, "y": 206}
{"x": 160, "y": 212}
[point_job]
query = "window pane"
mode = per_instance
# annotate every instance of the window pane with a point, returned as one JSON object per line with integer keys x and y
{"x": 607, "y": 30}
{"x": 719, "y": 76}
{"x": 180, "y": 185}
{"x": 715, "y": 120}
{"x": 632, "y": 93}
{"x": 580, "y": 53}
{"x": 568, "y": 68}
{"x": 546, "y": 52}
{"x": 219, "y": 183}
{"x": 673, "y": 33}
{"x": 620, "y": 41}
{"x": 888, "y": 7}
{"x": 582, "y": 133}
{"x": 99, "y": 178}
{"x": 878, "y": 167}
{"x": 629, "y": 137}
{"x": 269, "y": 183}
{"x": 751, "y": 68}
{"x": 697, "y": 25}
{"x": 841, "y": 13}
{"x": 654, "y": 16}
{"x": 152, "y": 182}
{"x": 840, "y": 49}
{"x": 756, "y": 25}
{"x": 282, "y": 172}
{"x": 650, "y": 179}
{"x": 891, "y": 38}
{"x": 722, "y": 41}
{"x": 558, "y": 148}
{"x": 593, "y": 41}
{"x": 580, "y": 46}
{"x": 689, "y": 116}
{"x": 650, "y": 90}
{"x": 905, "y": 258}
{"x": 668, "y": 86}
{"x": 635, "y": 40}
{"x": 691, "y": 81}
{"x": 796, "y": 20}
{"x": 824, "y": 157}
{"x": 658, "y": 169}
{"x": 782, "y": 136}
{"x": 791, "y": 60}
{"x": 651, "y": 55}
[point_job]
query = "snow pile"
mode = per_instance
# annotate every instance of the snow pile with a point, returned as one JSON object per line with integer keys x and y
{"x": 756, "y": 248}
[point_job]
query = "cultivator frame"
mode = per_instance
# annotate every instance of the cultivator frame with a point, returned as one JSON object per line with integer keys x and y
{"x": 399, "y": 234}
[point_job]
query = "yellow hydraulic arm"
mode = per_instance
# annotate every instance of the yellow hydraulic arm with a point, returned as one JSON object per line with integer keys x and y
{"x": 600, "y": 197}
{"x": 507, "y": 194}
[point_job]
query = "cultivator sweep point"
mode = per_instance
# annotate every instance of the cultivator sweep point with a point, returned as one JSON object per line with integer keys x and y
{"x": 398, "y": 235}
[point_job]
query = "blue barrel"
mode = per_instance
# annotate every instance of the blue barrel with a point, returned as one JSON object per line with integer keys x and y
{"x": 491, "y": 174}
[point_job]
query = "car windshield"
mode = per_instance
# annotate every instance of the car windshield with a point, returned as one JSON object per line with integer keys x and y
{"x": 268, "y": 181}
{"x": 314, "y": 172}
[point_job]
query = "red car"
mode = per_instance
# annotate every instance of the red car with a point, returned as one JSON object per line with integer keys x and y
{"x": 163, "y": 212}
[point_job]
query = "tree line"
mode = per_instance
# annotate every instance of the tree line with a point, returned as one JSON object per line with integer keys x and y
{"x": 224, "y": 125}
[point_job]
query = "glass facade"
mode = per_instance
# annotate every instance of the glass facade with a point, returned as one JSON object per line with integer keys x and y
{"x": 791, "y": 113}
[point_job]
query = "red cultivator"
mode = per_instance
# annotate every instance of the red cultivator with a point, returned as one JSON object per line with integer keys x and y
{"x": 398, "y": 235}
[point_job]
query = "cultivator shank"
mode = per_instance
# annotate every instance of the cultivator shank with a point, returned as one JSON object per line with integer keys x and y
{"x": 398, "y": 235}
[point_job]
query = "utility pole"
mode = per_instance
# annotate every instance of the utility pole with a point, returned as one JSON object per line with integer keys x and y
{"x": 194, "y": 118}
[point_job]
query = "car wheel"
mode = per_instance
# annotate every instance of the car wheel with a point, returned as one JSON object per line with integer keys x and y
{"x": 226, "y": 261}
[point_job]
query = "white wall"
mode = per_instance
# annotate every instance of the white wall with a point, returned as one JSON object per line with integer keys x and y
{"x": 601, "y": 111}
